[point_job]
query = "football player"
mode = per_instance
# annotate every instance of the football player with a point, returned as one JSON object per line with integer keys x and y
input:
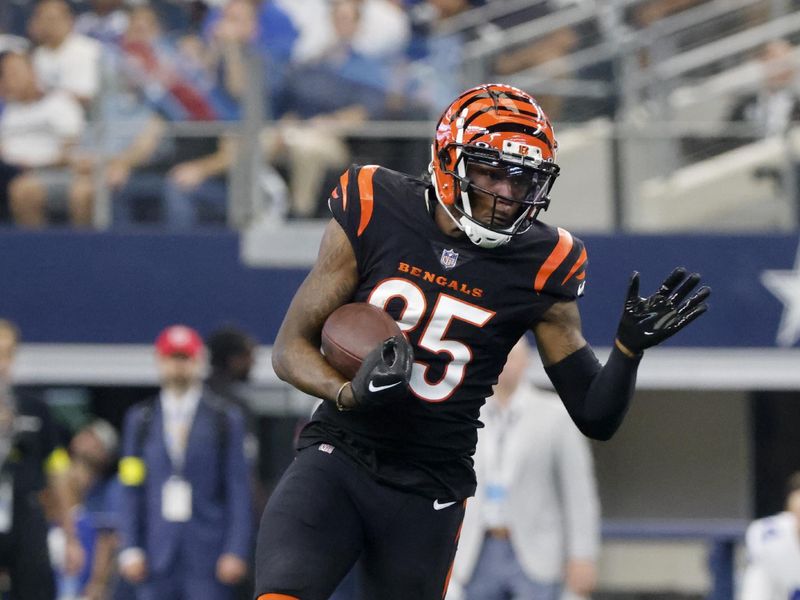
{"x": 773, "y": 552}
{"x": 465, "y": 267}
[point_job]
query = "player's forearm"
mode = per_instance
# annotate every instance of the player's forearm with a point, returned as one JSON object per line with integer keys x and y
{"x": 596, "y": 397}
{"x": 299, "y": 363}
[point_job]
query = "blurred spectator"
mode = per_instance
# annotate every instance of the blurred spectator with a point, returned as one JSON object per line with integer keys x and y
{"x": 241, "y": 27}
{"x": 180, "y": 188}
{"x": 93, "y": 450}
{"x": 14, "y": 43}
{"x": 63, "y": 59}
{"x": 645, "y": 14}
{"x": 382, "y": 32}
{"x": 533, "y": 528}
{"x": 179, "y": 16}
{"x": 772, "y": 109}
{"x": 188, "y": 521}
{"x": 32, "y": 465}
{"x": 106, "y": 21}
{"x": 343, "y": 87}
{"x": 773, "y": 554}
{"x": 232, "y": 356}
{"x": 37, "y": 133}
{"x": 172, "y": 82}
{"x": 768, "y": 111}
{"x": 552, "y": 49}
{"x": 180, "y": 182}
{"x": 235, "y": 35}
{"x": 436, "y": 78}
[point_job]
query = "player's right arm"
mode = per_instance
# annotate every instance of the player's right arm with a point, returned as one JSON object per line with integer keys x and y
{"x": 331, "y": 283}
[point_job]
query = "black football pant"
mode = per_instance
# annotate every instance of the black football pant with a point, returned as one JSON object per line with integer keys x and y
{"x": 327, "y": 513}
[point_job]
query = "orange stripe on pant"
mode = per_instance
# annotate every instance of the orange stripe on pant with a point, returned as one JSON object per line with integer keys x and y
{"x": 277, "y": 597}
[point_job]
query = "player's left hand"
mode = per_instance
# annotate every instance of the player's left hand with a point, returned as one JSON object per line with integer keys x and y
{"x": 649, "y": 321}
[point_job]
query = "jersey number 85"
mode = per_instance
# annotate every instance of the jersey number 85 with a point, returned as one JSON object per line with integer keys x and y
{"x": 434, "y": 336}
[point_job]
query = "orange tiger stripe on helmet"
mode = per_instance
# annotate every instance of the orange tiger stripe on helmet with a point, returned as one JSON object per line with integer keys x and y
{"x": 277, "y": 597}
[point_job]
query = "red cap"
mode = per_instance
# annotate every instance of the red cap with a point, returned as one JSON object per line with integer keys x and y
{"x": 179, "y": 339}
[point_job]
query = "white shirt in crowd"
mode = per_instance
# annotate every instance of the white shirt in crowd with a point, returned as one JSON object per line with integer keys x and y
{"x": 773, "y": 552}
{"x": 74, "y": 66}
{"x": 179, "y": 414}
{"x": 34, "y": 134}
{"x": 384, "y": 28}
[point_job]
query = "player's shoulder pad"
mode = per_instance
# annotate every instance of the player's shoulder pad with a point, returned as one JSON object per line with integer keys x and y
{"x": 351, "y": 202}
{"x": 562, "y": 270}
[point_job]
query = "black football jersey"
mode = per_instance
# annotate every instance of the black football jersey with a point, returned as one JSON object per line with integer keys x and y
{"x": 461, "y": 306}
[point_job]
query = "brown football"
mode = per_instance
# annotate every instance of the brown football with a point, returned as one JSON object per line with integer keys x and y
{"x": 351, "y": 332}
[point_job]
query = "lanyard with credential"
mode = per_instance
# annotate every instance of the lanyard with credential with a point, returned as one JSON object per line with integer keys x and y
{"x": 176, "y": 493}
{"x": 177, "y": 421}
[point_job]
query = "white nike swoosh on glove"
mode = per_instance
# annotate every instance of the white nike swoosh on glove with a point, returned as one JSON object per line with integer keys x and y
{"x": 377, "y": 388}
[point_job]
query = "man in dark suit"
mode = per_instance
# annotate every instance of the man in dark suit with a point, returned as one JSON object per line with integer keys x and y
{"x": 186, "y": 521}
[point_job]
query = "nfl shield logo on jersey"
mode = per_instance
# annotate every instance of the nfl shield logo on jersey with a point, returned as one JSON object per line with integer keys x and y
{"x": 448, "y": 259}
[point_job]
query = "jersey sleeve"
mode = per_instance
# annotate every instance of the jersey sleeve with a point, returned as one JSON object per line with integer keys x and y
{"x": 352, "y": 201}
{"x": 563, "y": 271}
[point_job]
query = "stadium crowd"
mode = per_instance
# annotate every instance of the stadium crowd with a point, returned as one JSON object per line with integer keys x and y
{"x": 92, "y": 91}
{"x": 142, "y": 106}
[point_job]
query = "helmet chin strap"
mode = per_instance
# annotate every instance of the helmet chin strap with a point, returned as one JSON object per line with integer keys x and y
{"x": 482, "y": 236}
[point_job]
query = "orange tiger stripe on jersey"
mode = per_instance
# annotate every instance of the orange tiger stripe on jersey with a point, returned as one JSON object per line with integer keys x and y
{"x": 366, "y": 193}
{"x": 343, "y": 180}
{"x": 578, "y": 264}
{"x": 557, "y": 256}
{"x": 277, "y": 597}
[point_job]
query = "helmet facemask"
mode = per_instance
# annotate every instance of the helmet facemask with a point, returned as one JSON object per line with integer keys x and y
{"x": 529, "y": 177}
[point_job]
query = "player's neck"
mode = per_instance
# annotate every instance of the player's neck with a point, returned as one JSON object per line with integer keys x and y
{"x": 444, "y": 222}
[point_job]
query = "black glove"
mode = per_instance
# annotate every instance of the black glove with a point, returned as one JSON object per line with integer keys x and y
{"x": 649, "y": 321}
{"x": 384, "y": 374}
